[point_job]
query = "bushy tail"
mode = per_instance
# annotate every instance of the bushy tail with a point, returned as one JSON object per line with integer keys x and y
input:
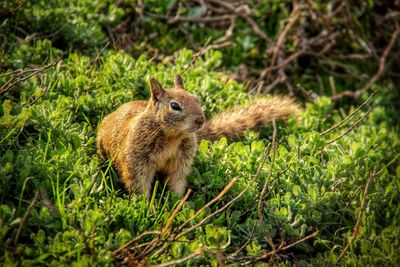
{"x": 233, "y": 122}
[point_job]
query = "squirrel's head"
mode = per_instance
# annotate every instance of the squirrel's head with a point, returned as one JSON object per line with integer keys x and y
{"x": 177, "y": 110}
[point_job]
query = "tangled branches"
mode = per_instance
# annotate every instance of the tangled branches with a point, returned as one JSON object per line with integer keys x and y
{"x": 324, "y": 45}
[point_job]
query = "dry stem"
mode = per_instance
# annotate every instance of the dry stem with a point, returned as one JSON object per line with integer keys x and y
{"x": 349, "y": 116}
{"x": 358, "y": 223}
{"x": 261, "y": 199}
{"x": 23, "y": 221}
{"x": 351, "y": 127}
{"x": 376, "y": 76}
{"x": 9, "y": 84}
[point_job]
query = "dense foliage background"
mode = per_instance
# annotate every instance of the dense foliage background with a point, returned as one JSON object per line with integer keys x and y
{"x": 322, "y": 189}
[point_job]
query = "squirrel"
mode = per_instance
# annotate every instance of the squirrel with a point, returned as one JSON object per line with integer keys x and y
{"x": 161, "y": 135}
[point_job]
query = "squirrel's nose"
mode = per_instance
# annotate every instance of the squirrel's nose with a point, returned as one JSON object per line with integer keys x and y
{"x": 199, "y": 121}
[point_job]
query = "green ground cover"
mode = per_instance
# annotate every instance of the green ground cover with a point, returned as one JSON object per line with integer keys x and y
{"x": 316, "y": 198}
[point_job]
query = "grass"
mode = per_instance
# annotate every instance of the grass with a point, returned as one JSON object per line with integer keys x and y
{"x": 83, "y": 213}
{"x": 322, "y": 189}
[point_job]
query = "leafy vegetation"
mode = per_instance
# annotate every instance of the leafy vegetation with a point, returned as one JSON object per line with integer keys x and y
{"x": 294, "y": 192}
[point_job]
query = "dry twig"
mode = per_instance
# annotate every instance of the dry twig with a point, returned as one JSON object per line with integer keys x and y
{"x": 293, "y": 17}
{"x": 239, "y": 12}
{"x": 97, "y": 58}
{"x": 358, "y": 223}
{"x": 349, "y": 116}
{"x": 23, "y": 221}
{"x": 176, "y": 210}
{"x": 252, "y": 259}
{"x": 159, "y": 241}
{"x": 9, "y": 84}
{"x": 351, "y": 127}
{"x": 262, "y": 195}
{"x": 133, "y": 240}
{"x": 186, "y": 231}
{"x": 381, "y": 67}
{"x": 215, "y": 199}
{"x": 197, "y": 252}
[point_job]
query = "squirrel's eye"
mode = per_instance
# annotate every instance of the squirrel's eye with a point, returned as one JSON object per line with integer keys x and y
{"x": 175, "y": 106}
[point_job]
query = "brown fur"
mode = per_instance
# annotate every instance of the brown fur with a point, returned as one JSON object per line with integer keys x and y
{"x": 259, "y": 112}
{"x": 147, "y": 137}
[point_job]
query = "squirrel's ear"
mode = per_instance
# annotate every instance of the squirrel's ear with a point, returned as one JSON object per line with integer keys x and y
{"x": 178, "y": 81}
{"x": 156, "y": 89}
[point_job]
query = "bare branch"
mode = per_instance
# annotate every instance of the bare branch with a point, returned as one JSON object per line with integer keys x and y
{"x": 23, "y": 221}
{"x": 376, "y": 76}
{"x": 97, "y": 58}
{"x": 197, "y": 252}
{"x": 262, "y": 195}
{"x": 351, "y": 127}
{"x": 133, "y": 240}
{"x": 245, "y": 16}
{"x": 186, "y": 231}
{"x": 36, "y": 71}
{"x": 349, "y": 116}
{"x": 358, "y": 223}
{"x": 215, "y": 199}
